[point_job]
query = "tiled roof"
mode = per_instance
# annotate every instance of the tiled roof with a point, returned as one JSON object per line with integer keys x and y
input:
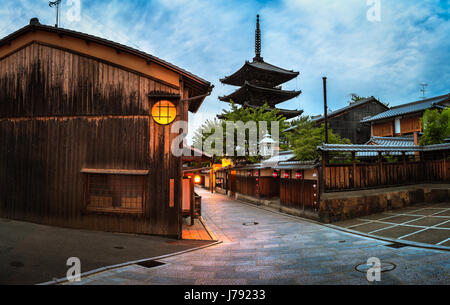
{"x": 289, "y": 165}
{"x": 266, "y": 66}
{"x": 409, "y": 108}
{"x": 392, "y": 141}
{"x": 265, "y": 70}
{"x": 380, "y": 148}
{"x": 343, "y": 109}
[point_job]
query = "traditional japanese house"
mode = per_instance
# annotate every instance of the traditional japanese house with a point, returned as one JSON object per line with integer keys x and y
{"x": 405, "y": 119}
{"x": 259, "y": 82}
{"x": 85, "y": 132}
{"x": 346, "y": 121}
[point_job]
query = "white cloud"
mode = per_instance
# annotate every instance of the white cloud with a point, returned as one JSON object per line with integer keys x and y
{"x": 212, "y": 39}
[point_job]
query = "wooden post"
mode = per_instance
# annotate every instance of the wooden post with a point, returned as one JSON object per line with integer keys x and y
{"x": 404, "y": 166}
{"x": 353, "y": 169}
{"x": 380, "y": 168}
{"x": 258, "y": 184}
{"x": 445, "y": 166}
{"x": 211, "y": 174}
{"x": 192, "y": 200}
{"x": 324, "y": 172}
{"x": 303, "y": 189}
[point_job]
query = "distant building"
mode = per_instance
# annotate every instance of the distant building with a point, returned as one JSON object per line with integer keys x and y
{"x": 404, "y": 119}
{"x": 346, "y": 121}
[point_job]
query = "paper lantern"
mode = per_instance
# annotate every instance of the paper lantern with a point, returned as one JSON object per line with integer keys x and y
{"x": 298, "y": 175}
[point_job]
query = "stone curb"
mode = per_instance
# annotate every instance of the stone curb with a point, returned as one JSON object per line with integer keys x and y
{"x": 210, "y": 232}
{"x": 108, "y": 268}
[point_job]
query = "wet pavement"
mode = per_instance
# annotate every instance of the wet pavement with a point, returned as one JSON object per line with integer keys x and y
{"x": 263, "y": 247}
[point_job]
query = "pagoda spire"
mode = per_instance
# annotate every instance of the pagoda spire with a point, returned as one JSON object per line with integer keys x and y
{"x": 257, "y": 41}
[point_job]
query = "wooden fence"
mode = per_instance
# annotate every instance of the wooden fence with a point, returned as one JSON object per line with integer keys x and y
{"x": 256, "y": 186}
{"x": 343, "y": 177}
{"x": 298, "y": 193}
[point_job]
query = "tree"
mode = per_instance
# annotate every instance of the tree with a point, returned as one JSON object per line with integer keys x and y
{"x": 436, "y": 126}
{"x": 307, "y": 136}
{"x": 205, "y": 131}
{"x": 245, "y": 115}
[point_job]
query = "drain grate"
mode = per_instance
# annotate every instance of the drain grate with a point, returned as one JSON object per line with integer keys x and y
{"x": 385, "y": 267}
{"x": 396, "y": 245}
{"x": 253, "y": 223}
{"x": 150, "y": 264}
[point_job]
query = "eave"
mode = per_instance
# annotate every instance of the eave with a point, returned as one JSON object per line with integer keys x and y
{"x": 196, "y": 85}
{"x": 257, "y": 96}
{"x": 259, "y": 71}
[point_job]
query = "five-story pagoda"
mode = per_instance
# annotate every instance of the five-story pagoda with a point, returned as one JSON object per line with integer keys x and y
{"x": 260, "y": 83}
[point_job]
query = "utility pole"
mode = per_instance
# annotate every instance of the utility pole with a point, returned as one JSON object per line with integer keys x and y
{"x": 56, "y": 3}
{"x": 325, "y": 114}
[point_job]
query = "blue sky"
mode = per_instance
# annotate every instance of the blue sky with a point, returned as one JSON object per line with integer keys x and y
{"x": 212, "y": 38}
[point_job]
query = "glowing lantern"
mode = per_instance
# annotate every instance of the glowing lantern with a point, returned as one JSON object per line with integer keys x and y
{"x": 249, "y": 173}
{"x": 286, "y": 175}
{"x": 275, "y": 174}
{"x": 298, "y": 175}
{"x": 197, "y": 179}
{"x": 164, "y": 112}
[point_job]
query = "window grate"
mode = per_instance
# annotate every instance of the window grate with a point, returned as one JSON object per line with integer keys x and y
{"x": 116, "y": 193}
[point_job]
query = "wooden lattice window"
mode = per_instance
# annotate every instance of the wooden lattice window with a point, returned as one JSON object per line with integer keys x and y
{"x": 112, "y": 192}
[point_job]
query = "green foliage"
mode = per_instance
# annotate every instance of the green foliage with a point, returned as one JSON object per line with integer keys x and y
{"x": 306, "y": 137}
{"x": 436, "y": 126}
{"x": 208, "y": 130}
{"x": 244, "y": 115}
{"x": 390, "y": 159}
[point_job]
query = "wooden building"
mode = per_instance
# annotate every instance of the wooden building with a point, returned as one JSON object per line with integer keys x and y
{"x": 346, "y": 121}
{"x": 404, "y": 119}
{"x": 85, "y": 132}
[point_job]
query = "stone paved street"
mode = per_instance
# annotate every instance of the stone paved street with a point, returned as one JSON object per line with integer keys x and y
{"x": 280, "y": 250}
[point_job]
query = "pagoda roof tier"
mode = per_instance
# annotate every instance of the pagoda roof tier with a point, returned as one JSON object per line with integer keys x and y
{"x": 288, "y": 114}
{"x": 260, "y": 73}
{"x": 257, "y": 96}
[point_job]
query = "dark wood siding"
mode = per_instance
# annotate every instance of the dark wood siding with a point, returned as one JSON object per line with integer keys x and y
{"x": 348, "y": 124}
{"x": 61, "y": 112}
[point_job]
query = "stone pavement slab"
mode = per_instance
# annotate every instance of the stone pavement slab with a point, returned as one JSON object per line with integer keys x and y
{"x": 408, "y": 224}
{"x": 32, "y": 253}
{"x": 282, "y": 249}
